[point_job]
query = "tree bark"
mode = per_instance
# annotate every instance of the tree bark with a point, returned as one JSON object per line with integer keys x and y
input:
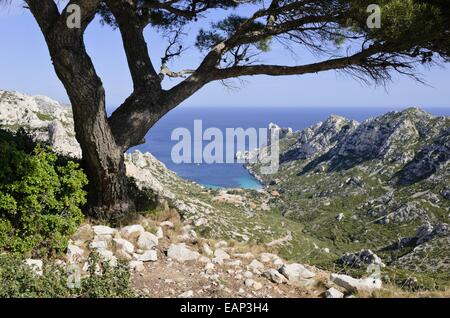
{"x": 103, "y": 158}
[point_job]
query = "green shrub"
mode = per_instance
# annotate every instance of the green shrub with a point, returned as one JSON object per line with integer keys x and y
{"x": 40, "y": 197}
{"x": 19, "y": 281}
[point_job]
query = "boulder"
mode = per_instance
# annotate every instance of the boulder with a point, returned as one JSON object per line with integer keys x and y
{"x": 356, "y": 285}
{"x": 74, "y": 254}
{"x": 361, "y": 258}
{"x": 249, "y": 282}
{"x": 167, "y": 224}
{"x": 220, "y": 255}
{"x": 107, "y": 256}
{"x": 132, "y": 231}
{"x": 147, "y": 241}
{"x": 333, "y": 293}
{"x": 97, "y": 245}
{"x": 275, "y": 276}
{"x": 267, "y": 257}
{"x": 297, "y": 274}
{"x": 124, "y": 245}
{"x": 293, "y": 271}
{"x": 122, "y": 255}
{"x": 103, "y": 230}
{"x": 181, "y": 253}
{"x": 84, "y": 233}
{"x": 137, "y": 266}
{"x": 207, "y": 250}
{"x": 256, "y": 267}
{"x": 147, "y": 256}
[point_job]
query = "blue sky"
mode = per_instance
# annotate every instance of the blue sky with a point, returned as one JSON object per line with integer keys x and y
{"x": 25, "y": 66}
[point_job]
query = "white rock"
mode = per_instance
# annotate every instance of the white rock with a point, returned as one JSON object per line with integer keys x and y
{"x": 235, "y": 263}
{"x": 209, "y": 268}
{"x": 147, "y": 241}
{"x": 103, "y": 230}
{"x": 295, "y": 271}
{"x": 159, "y": 232}
{"x": 36, "y": 266}
{"x": 249, "y": 282}
{"x": 108, "y": 256}
{"x": 267, "y": 257}
{"x": 326, "y": 250}
{"x": 124, "y": 245}
{"x": 186, "y": 294}
{"x": 220, "y": 255}
{"x": 207, "y": 250}
{"x": 352, "y": 284}
{"x": 275, "y": 276}
{"x": 333, "y": 293}
{"x": 252, "y": 283}
{"x": 204, "y": 259}
{"x": 147, "y": 256}
{"x": 181, "y": 253}
{"x": 74, "y": 253}
{"x": 298, "y": 275}
{"x": 107, "y": 238}
{"x": 278, "y": 262}
{"x": 340, "y": 217}
{"x": 137, "y": 266}
{"x": 98, "y": 245}
{"x": 122, "y": 255}
{"x": 256, "y": 267}
{"x": 132, "y": 231}
{"x": 248, "y": 274}
{"x": 257, "y": 286}
{"x": 168, "y": 224}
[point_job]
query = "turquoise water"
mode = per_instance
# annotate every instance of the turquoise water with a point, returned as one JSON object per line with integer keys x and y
{"x": 219, "y": 175}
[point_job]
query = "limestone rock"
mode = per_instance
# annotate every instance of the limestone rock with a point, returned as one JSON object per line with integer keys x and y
{"x": 297, "y": 274}
{"x": 220, "y": 255}
{"x": 137, "y": 266}
{"x": 147, "y": 241}
{"x": 256, "y": 266}
{"x": 74, "y": 254}
{"x": 356, "y": 285}
{"x": 96, "y": 245}
{"x": 181, "y": 253}
{"x": 186, "y": 294}
{"x": 132, "y": 231}
{"x": 275, "y": 276}
{"x": 333, "y": 293}
{"x": 103, "y": 230}
{"x": 147, "y": 256}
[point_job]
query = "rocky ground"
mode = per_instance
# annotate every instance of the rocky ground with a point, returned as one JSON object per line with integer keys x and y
{"x": 332, "y": 214}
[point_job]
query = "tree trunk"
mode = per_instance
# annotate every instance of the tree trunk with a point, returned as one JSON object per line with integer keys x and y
{"x": 103, "y": 158}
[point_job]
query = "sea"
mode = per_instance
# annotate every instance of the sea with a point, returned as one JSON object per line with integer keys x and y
{"x": 234, "y": 175}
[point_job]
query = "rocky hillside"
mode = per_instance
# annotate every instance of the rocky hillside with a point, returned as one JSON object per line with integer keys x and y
{"x": 382, "y": 184}
{"x": 336, "y": 201}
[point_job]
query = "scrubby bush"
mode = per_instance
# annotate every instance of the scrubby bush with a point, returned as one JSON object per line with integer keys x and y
{"x": 40, "y": 197}
{"x": 19, "y": 281}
